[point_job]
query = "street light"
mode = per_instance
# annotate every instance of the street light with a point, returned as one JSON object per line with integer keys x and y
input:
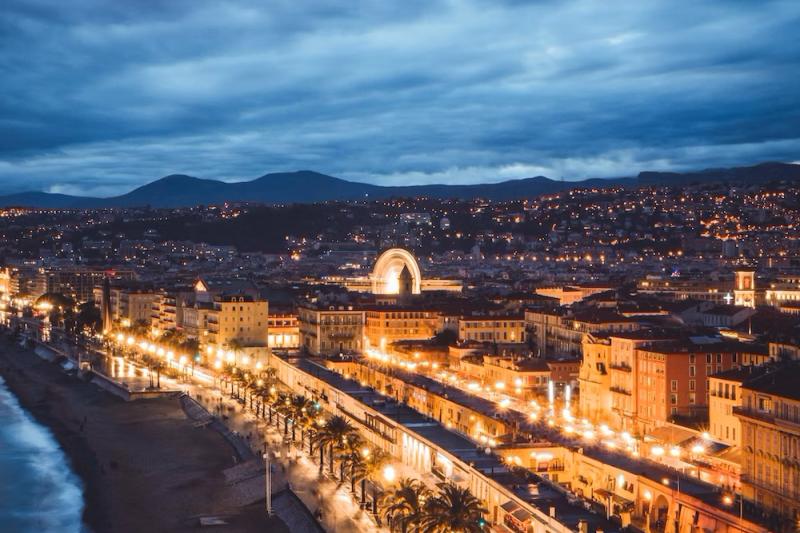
{"x": 389, "y": 473}
{"x": 268, "y": 482}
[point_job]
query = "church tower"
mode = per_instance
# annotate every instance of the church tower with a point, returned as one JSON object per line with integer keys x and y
{"x": 745, "y": 287}
{"x": 105, "y": 305}
{"x": 405, "y": 283}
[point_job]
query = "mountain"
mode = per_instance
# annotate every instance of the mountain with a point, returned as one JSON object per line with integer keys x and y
{"x": 305, "y": 186}
{"x": 756, "y": 174}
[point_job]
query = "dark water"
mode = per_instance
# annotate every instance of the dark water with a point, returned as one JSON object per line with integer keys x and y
{"x": 38, "y": 490}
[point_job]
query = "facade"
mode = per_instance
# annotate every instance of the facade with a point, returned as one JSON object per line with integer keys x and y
{"x": 770, "y": 420}
{"x": 492, "y": 329}
{"x": 680, "y": 288}
{"x": 673, "y": 378}
{"x": 387, "y": 324}
{"x": 724, "y": 397}
{"x": 240, "y": 318}
{"x": 283, "y": 330}
{"x": 129, "y": 303}
{"x": 330, "y": 330}
{"x": 595, "y": 380}
{"x": 76, "y": 283}
{"x": 384, "y": 278}
{"x": 524, "y": 378}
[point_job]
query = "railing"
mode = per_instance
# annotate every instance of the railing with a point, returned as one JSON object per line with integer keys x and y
{"x": 620, "y": 390}
{"x": 621, "y": 366}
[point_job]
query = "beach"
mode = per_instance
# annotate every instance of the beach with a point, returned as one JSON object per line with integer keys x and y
{"x": 143, "y": 464}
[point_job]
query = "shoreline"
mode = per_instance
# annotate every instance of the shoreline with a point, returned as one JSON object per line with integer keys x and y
{"x": 142, "y": 465}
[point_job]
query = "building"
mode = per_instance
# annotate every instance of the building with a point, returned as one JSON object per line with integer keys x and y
{"x": 387, "y": 324}
{"x": 384, "y": 278}
{"x": 525, "y": 378}
{"x": 594, "y": 379}
{"x": 492, "y": 329}
{"x": 770, "y": 419}
{"x": 330, "y": 329}
{"x": 76, "y": 283}
{"x": 238, "y": 319}
{"x": 672, "y": 379}
{"x": 687, "y": 288}
{"x": 283, "y": 330}
{"x": 556, "y": 332}
{"x": 724, "y": 396}
{"x": 570, "y": 294}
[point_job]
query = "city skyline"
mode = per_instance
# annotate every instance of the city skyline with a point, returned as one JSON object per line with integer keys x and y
{"x": 98, "y": 101}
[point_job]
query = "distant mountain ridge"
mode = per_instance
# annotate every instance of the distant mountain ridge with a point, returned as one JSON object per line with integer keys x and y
{"x": 305, "y": 186}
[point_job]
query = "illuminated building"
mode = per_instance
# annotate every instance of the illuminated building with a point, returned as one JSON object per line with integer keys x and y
{"x": 595, "y": 380}
{"x": 770, "y": 419}
{"x": 724, "y": 396}
{"x": 387, "y": 324}
{"x": 385, "y": 275}
{"x": 283, "y": 329}
{"x": 330, "y": 329}
{"x": 239, "y": 317}
{"x": 492, "y": 329}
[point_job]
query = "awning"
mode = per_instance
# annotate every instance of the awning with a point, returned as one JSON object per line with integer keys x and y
{"x": 522, "y": 515}
{"x": 509, "y": 506}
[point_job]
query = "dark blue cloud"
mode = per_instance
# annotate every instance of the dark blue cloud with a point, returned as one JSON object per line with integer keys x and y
{"x": 98, "y": 97}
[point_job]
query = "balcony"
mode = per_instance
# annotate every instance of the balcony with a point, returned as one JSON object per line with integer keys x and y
{"x": 622, "y": 367}
{"x": 620, "y": 390}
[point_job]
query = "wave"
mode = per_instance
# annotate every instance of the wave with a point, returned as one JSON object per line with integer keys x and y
{"x": 38, "y": 490}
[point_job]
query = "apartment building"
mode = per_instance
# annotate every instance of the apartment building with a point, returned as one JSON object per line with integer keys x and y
{"x": 330, "y": 329}
{"x": 384, "y": 325}
{"x": 492, "y": 329}
{"x": 240, "y": 318}
{"x": 724, "y": 396}
{"x": 770, "y": 420}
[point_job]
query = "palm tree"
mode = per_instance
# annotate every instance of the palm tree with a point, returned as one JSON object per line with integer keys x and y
{"x": 373, "y": 463}
{"x": 351, "y": 459}
{"x": 235, "y": 345}
{"x": 405, "y": 505}
{"x": 283, "y": 405}
{"x": 335, "y": 434}
{"x": 300, "y": 410}
{"x": 453, "y": 509}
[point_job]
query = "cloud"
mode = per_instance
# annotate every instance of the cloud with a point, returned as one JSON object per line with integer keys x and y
{"x": 98, "y": 98}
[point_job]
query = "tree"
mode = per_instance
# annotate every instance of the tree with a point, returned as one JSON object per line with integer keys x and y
{"x": 453, "y": 509}
{"x": 404, "y": 508}
{"x": 300, "y": 410}
{"x": 372, "y": 464}
{"x": 88, "y": 317}
{"x": 235, "y": 345}
{"x": 140, "y": 328}
{"x": 334, "y": 434}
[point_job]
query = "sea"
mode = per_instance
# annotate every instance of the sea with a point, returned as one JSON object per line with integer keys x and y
{"x": 38, "y": 490}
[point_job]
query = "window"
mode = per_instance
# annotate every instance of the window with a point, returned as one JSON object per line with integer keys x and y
{"x": 734, "y": 356}
{"x": 692, "y": 358}
{"x": 673, "y": 385}
{"x": 692, "y": 384}
{"x": 708, "y": 358}
{"x": 691, "y": 371}
{"x": 692, "y": 398}
{"x": 673, "y": 399}
{"x": 719, "y": 358}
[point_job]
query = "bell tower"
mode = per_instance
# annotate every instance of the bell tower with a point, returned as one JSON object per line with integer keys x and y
{"x": 744, "y": 290}
{"x": 405, "y": 283}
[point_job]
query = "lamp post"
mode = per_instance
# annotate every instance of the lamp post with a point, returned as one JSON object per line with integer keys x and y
{"x": 268, "y": 481}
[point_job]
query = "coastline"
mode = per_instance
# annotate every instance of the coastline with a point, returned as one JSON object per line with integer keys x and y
{"x": 143, "y": 465}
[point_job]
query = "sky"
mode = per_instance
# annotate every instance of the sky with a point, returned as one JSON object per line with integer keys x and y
{"x": 99, "y": 97}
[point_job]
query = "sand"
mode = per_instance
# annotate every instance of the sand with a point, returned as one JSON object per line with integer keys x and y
{"x": 144, "y": 466}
